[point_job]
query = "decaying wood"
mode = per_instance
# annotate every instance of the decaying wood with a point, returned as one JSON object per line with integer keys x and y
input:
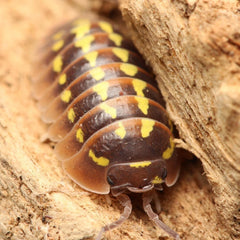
{"x": 37, "y": 199}
{"x": 194, "y": 49}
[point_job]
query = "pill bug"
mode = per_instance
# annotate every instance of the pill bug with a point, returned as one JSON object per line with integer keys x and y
{"x": 106, "y": 115}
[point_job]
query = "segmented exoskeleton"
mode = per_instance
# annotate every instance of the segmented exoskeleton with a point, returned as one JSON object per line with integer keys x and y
{"x": 106, "y": 115}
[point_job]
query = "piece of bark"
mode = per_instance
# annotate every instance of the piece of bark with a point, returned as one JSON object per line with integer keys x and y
{"x": 37, "y": 199}
{"x": 194, "y": 49}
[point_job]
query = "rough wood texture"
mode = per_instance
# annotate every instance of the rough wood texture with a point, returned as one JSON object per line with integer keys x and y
{"x": 194, "y": 49}
{"x": 37, "y": 200}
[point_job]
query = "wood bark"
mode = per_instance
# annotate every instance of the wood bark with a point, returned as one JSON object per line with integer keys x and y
{"x": 37, "y": 199}
{"x": 194, "y": 49}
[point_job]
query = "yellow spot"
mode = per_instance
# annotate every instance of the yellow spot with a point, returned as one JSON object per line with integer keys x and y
{"x": 58, "y": 35}
{"x": 81, "y": 30}
{"x": 116, "y": 38}
{"x": 80, "y": 135}
{"x": 139, "y": 86}
{"x": 143, "y": 104}
{"x": 147, "y": 127}
{"x": 121, "y": 53}
{"x": 169, "y": 151}
{"x": 129, "y": 69}
{"x": 84, "y": 43}
{"x": 140, "y": 164}
{"x": 106, "y": 27}
{"x": 97, "y": 73}
{"x": 91, "y": 58}
{"x": 57, "y": 45}
{"x": 157, "y": 180}
{"x": 71, "y": 115}
{"x": 121, "y": 132}
{"x": 109, "y": 110}
{"x": 80, "y": 22}
{"x": 62, "y": 79}
{"x": 101, "y": 161}
{"x": 57, "y": 64}
{"x": 101, "y": 89}
{"x": 66, "y": 96}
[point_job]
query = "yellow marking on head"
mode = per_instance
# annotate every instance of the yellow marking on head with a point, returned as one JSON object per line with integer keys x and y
{"x": 101, "y": 161}
{"x": 109, "y": 110}
{"x": 143, "y": 104}
{"x": 116, "y": 38}
{"x": 84, "y": 43}
{"x": 101, "y": 89}
{"x": 97, "y": 73}
{"x": 106, "y": 27}
{"x": 147, "y": 127}
{"x": 129, "y": 69}
{"x": 80, "y": 22}
{"x": 66, "y": 96}
{"x": 139, "y": 86}
{"x": 71, "y": 115}
{"x": 169, "y": 151}
{"x": 157, "y": 180}
{"x": 57, "y": 64}
{"x": 121, "y": 53}
{"x": 121, "y": 132}
{"x": 91, "y": 58}
{"x": 81, "y": 29}
{"x": 58, "y": 35}
{"x": 80, "y": 135}
{"x": 57, "y": 45}
{"x": 62, "y": 79}
{"x": 140, "y": 164}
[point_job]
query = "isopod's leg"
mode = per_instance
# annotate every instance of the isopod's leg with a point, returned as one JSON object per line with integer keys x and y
{"x": 126, "y": 202}
{"x": 147, "y": 198}
{"x": 156, "y": 202}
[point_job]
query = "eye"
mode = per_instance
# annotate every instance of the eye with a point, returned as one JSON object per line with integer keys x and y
{"x": 110, "y": 181}
{"x": 164, "y": 173}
